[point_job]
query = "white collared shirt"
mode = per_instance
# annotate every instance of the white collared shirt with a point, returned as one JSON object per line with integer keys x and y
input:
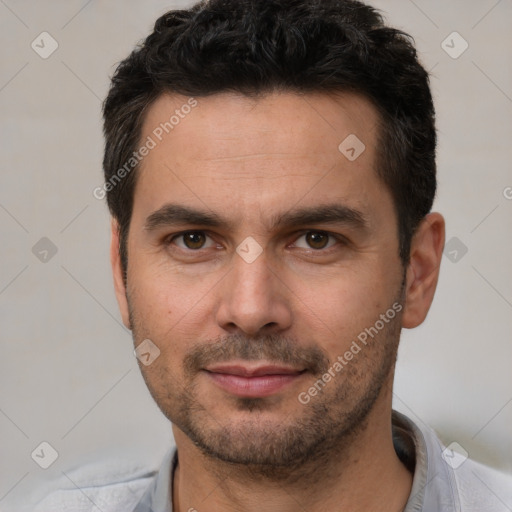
{"x": 443, "y": 481}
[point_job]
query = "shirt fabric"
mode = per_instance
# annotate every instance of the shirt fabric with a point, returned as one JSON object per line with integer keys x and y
{"x": 443, "y": 481}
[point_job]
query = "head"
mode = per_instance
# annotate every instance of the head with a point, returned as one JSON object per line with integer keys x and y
{"x": 270, "y": 169}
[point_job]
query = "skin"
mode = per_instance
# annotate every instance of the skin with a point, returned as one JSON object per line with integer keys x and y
{"x": 298, "y": 302}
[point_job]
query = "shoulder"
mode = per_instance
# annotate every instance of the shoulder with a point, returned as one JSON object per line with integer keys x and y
{"x": 109, "y": 486}
{"x": 483, "y": 488}
{"x": 445, "y": 479}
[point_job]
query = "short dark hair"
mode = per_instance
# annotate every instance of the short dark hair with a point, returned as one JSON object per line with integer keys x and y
{"x": 255, "y": 47}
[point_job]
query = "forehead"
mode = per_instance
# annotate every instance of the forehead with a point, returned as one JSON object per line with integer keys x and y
{"x": 274, "y": 123}
{"x": 265, "y": 153}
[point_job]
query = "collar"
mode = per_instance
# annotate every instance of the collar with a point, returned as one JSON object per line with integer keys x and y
{"x": 158, "y": 496}
{"x": 433, "y": 487}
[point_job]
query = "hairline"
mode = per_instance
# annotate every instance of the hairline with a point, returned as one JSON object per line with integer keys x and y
{"x": 382, "y": 132}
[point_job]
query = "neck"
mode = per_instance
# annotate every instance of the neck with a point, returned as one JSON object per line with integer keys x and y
{"x": 364, "y": 474}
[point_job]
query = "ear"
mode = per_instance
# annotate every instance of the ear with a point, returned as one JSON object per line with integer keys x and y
{"x": 117, "y": 271}
{"x": 423, "y": 270}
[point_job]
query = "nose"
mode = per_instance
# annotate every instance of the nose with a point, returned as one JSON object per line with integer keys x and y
{"x": 253, "y": 298}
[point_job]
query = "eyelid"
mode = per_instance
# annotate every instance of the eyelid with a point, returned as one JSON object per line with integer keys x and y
{"x": 340, "y": 239}
{"x": 168, "y": 240}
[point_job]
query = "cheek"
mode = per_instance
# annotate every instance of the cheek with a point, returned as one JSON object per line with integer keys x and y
{"x": 343, "y": 305}
{"x": 170, "y": 309}
{"x": 160, "y": 294}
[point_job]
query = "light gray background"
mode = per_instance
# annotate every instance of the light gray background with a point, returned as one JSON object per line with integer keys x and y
{"x": 68, "y": 375}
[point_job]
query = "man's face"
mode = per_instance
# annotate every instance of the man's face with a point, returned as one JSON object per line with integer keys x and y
{"x": 249, "y": 312}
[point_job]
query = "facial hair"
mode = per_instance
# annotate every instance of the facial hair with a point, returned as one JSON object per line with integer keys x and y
{"x": 265, "y": 448}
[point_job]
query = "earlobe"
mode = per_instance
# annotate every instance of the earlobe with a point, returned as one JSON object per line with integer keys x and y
{"x": 423, "y": 270}
{"x": 117, "y": 272}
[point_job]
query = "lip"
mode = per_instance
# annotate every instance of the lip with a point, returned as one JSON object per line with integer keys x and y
{"x": 252, "y": 382}
{"x": 254, "y": 371}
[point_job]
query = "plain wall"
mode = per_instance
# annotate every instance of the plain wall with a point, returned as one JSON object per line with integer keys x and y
{"x": 68, "y": 375}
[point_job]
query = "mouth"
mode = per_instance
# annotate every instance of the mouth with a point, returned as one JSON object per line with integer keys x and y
{"x": 253, "y": 381}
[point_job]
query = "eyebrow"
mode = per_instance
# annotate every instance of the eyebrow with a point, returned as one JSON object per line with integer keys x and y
{"x": 332, "y": 213}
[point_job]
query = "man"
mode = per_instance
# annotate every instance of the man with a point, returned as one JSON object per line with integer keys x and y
{"x": 270, "y": 171}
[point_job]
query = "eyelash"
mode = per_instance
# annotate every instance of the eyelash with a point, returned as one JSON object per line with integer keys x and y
{"x": 338, "y": 238}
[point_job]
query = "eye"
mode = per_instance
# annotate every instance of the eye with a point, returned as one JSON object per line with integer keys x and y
{"x": 191, "y": 240}
{"x": 317, "y": 240}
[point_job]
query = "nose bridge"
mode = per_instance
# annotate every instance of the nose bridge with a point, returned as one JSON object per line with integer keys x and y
{"x": 252, "y": 296}
{"x": 251, "y": 277}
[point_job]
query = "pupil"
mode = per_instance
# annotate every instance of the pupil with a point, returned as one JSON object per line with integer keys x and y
{"x": 193, "y": 240}
{"x": 316, "y": 239}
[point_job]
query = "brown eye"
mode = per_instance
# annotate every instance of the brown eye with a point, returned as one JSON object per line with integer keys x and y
{"x": 191, "y": 240}
{"x": 317, "y": 240}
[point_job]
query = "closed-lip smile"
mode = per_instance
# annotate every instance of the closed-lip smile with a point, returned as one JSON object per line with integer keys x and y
{"x": 252, "y": 381}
